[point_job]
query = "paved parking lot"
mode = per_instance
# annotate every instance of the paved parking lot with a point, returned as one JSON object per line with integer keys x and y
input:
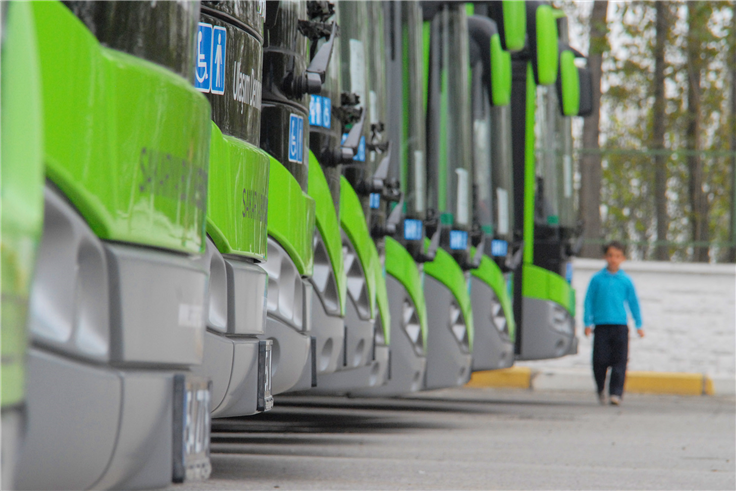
{"x": 479, "y": 439}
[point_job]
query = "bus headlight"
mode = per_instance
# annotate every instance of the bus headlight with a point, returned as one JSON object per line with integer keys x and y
{"x": 411, "y": 327}
{"x": 323, "y": 277}
{"x": 498, "y": 317}
{"x": 458, "y": 327}
{"x": 562, "y": 321}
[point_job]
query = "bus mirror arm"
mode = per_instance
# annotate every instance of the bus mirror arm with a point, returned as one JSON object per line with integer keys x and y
{"x": 434, "y": 244}
{"x": 322, "y": 10}
{"x": 562, "y": 46}
{"x": 379, "y": 182}
{"x": 390, "y": 188}
{"x": 513, "y": 261}
{"x": 321, "y": 60}
{"x": 478, "y": 257}
{"x": 345, "y": 153}
{"x": 392, "y": 222}
{"x": 383, "y": 168}
{"x": 433, "y": 229}
{"x": 312, "y": 80}
{"x": 575, "y": 248}
{"x": 395, "y": 216}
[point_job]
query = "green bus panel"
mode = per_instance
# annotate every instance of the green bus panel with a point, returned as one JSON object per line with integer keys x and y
{"x": 21, "y": 191}
{"x": 447, "y": 271}
{"x": 401, "y": 266}
{"x": 126, "y": 140}
{"x": 490, "y": 274}
{"x": 543, "y": 284}
{"x": 529, "y": 166}
{"x": 354, "y": 224}
{"x": 237, "y": 200}
{"x": 382, "y": 301}
{"x": 291, "y": 217}
{"x": 328, "y": 225}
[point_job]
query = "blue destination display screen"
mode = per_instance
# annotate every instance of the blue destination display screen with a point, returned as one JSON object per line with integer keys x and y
{"x": 499, "y": 247}
{"x": 412, "y": 229}
{"x": 458, "y": 240}
{"x": 320, "y": 111}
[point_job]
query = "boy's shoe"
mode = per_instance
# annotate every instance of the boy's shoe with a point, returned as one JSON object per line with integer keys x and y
{"x": 602, "y": 398}
{"x": 615, "y": 400}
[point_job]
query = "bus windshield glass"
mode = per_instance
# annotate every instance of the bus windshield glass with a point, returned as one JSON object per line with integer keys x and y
{"x": 493, "y": 185}
{"x": 554, "y": 157}
{"x": 456, "y": 115}
{"x": 413, "y": 173}
{"x": 501, "y": 172}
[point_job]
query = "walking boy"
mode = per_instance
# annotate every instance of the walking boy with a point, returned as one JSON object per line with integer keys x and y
{"x": 608, "y": 291}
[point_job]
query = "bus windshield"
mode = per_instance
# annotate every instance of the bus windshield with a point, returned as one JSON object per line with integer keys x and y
{"x": 449, "y": 137}
{"x": 493, "y": 185}
{"x": 413, "y": 172}
{"x": 555, "y": 207}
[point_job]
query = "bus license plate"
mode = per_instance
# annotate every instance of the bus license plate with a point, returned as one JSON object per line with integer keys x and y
{"x": 192, "y": 396}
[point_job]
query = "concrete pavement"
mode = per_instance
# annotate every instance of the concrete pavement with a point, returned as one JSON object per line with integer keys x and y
{"x": 479, "y": 438}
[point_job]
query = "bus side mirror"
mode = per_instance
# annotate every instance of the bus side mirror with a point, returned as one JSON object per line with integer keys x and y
{"x": 510, "y": 16}
{"x": 586, "y": 92}
{"x": 568, "y": 85}
{"x": 500, "y": 73}
{"x": 486, "y": 47}
{"x": 574, "y": 84}
{"x": 542, "y": 33}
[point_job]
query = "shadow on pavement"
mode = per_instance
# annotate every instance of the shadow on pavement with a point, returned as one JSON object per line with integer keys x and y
{"x": 332, "y": 420}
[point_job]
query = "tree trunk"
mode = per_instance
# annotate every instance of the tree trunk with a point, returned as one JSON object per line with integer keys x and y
{"x": 590, "y": 163}
{"x": 698, "y": 202}
{"x": 661, "y": 251}
{"x": 732, "y": 235}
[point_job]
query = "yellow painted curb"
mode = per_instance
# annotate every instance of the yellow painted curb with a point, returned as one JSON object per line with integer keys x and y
{"x": 518, "y": 377}
{"x": 693, "y": 384}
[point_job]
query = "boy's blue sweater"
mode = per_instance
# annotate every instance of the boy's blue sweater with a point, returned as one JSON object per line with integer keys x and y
{"x": 604, "y": 301}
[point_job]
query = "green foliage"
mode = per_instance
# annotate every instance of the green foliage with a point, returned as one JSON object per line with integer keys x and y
{"x": 627, "y": 195}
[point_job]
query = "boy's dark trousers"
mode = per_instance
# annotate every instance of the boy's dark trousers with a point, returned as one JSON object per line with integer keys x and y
{"x": 610, "y": 349}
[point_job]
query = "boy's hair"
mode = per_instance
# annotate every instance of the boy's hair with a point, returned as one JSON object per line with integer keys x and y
{"x": 616, "y": 245}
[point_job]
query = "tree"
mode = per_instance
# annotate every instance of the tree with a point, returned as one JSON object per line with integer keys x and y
{"x": 590, "y": 163}
{"x": 667, "y": 130}
{"x": 659, "y": 122}
{"x": 732, "y": 126}
{"x": 697, "y": 22}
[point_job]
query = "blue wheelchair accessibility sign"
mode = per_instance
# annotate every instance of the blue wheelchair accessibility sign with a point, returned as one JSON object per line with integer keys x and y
{"x": 203, "y": 70}
{"x": 209, "y": 73}
{"x": 296, "y": 139}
